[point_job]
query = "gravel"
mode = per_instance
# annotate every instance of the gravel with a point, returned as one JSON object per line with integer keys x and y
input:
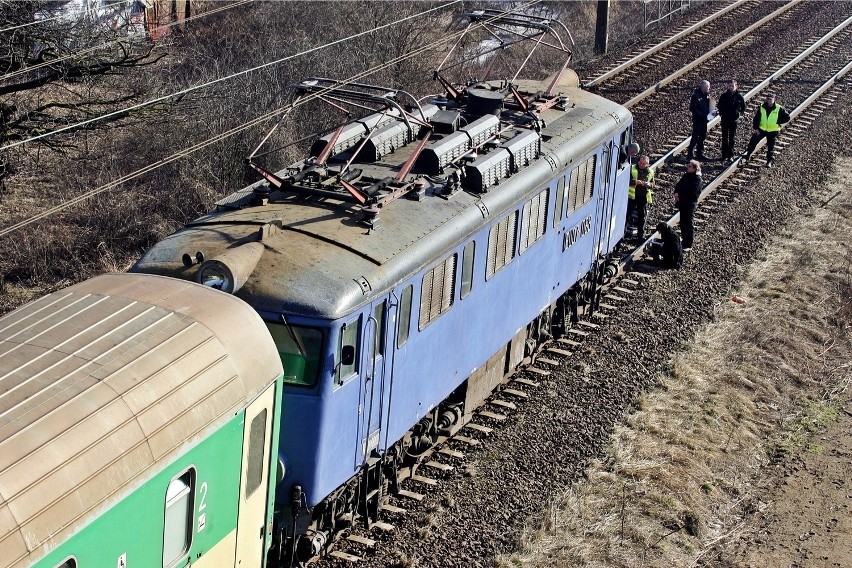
{"x": 477, "y": 509}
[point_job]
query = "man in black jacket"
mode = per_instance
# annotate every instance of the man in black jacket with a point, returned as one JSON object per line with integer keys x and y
{"x": 667, "y": 249}
{"x": 731, "y": 105}
{"x": 699, "y": 106}
{"x": 686, "y": 194}
{"x": 767, "y": 123}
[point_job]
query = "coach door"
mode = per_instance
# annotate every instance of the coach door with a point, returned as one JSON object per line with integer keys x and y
{"x": 254, "y": 480}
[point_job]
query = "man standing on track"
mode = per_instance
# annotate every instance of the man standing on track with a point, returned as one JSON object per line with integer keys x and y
{"x": 699, "y": 106}
{"x": 767, "y": 123}
{"x": 686, "y": 193}
{"x": 731, "y": 105}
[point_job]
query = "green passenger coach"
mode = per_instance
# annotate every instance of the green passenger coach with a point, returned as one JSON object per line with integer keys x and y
{"x": 138, "y": 427}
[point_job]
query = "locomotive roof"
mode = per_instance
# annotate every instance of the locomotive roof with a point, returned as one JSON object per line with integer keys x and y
{"x": 102, "y": 384}
{"x": 320, "y": 260}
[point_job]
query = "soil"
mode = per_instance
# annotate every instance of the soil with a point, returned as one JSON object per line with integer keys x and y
{"x": 807, "y": 520}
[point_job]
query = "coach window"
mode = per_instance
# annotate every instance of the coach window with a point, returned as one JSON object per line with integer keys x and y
{"x": 404, "y": 316}
{"x": 379, "y": 339}
{"x": 177, "y": 530}
{"x": 559, "y": 206}
{"x": 467, "y": 269}
{"x": 257, "y": 437}
{"x": 347, "y": 351}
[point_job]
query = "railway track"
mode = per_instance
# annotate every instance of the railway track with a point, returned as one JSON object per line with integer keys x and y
{"x": 510, "y": 402}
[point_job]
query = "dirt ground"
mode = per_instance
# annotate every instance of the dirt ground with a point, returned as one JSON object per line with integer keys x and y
{"x": 804, "y": 515}
{"x": 807, "y": 519}
{"x": 742, "y": 458}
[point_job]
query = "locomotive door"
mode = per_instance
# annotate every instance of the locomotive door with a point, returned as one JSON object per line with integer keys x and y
{"x": 604, "y": 214}
{"x": 254, "y": 480}
{"x": 373, "y": 376}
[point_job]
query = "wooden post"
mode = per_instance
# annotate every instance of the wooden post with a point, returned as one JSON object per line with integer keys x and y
{"x": 602, "y": 27}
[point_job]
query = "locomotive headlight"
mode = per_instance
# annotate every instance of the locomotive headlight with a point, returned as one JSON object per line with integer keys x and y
{"x": 216, "y": 275}
{"x": 230, "y": 270}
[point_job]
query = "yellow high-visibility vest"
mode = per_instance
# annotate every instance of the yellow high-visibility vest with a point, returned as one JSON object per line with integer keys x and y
{"x": 769, "y": 122}
{"x": 634, "y": 175}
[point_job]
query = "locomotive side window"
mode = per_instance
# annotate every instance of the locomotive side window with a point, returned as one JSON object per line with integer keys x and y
{"x": 70, "y": 563}
{"x": 379, "y": 337}
{"x": 626, "y": 136}
{"x": 404, "y": 316}
{"x": 534, "y": 220}
{"x": 347, "y": 351}
{"x": 300, "y": 349}
{"x": 501, "y": 244}
{"x": 177, "y": 529}
{"x": 257, "y": 436}
{"x": 467, "y": 269}
{"x": 436, "y": 294}
{"x": 559, "y": 205}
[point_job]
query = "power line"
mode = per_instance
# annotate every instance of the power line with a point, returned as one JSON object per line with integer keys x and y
{"x": 215, "y": 81}
{"x": 237, "y": 129}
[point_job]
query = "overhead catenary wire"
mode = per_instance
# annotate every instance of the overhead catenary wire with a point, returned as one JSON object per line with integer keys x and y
{"x": 227, "y": 134}
{"x": 188, "y": 90}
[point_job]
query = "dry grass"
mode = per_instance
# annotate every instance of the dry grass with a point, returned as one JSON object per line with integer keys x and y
{"x": 682, "y": 474}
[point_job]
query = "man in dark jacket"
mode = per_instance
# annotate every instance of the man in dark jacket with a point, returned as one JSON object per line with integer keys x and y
{"x": 767, "y": 123}
{"x": 731, "y": 105}
{"x": 667, "y": 249}
{"x": 686, "y": 193}
{"x": 699, "y": 106}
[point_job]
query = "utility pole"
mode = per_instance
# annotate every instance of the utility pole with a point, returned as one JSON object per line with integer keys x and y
{"x": 602, "y": 27}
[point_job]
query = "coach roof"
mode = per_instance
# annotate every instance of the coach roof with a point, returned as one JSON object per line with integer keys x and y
{"x": 102, "y": 384}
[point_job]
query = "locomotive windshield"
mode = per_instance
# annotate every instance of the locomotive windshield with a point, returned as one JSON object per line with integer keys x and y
{"x": 300, "y": 348}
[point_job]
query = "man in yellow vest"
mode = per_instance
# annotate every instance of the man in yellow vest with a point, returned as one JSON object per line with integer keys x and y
{"x": 767, "y": 124}
{"x": 639, "y": 195}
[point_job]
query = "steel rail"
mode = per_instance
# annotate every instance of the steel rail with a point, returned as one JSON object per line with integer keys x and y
{"x": 760, "y": 86}
{"x": 660, "y": 46}
{"x": 724, "y": 45}
{"x": 665, "y": 158}
{"x": 631, "y": 257}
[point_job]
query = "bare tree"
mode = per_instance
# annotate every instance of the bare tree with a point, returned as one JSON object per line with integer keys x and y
{"x": 54, "y": 55}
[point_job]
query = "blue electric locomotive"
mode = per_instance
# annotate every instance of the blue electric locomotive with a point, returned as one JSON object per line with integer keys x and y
{"x": 407, "y": 267}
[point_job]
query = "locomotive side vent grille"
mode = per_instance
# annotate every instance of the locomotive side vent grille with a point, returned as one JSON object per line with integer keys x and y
{"x": 534, "y": 220}
{"x": 501, "y": 244}
{"x": 436, "y": 294}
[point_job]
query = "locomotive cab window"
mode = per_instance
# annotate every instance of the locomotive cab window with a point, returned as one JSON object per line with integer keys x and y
{"x": 347, "y": 351}
{"x": 70, "y": 563}
{"x": 300, "y": 349}
{"x": 623, "y": 142}
{"x": 177, "y": 528}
